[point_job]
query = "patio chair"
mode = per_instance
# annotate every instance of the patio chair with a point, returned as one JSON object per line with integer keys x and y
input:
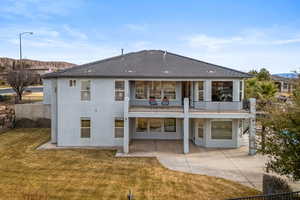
{"x": 152, "y": 101}
{"x": 165, "y": 101}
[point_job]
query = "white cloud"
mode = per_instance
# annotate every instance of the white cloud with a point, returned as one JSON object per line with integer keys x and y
{"x": 254, "y": 37}
{"x": 203, "y": 40}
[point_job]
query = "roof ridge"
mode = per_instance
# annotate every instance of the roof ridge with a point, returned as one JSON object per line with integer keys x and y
{"x": 94, "y": 62}
{"x": 227, "y": 68}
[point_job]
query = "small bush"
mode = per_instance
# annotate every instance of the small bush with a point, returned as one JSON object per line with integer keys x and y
{"x": 25, "y": 123}
{"x": 29, "y": 123}
{"x": 43, "y": 123}
{"x": 274, "y": 184}
{"x": 4, "y": 98}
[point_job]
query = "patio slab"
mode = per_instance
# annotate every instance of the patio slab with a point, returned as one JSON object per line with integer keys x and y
{"x": 232, "y": 164}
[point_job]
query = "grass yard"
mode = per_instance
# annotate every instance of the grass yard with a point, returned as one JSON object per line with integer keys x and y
{"x": 27, "y": 173}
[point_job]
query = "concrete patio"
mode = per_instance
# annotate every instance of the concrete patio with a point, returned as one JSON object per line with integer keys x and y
{"x": 232, "y": 164}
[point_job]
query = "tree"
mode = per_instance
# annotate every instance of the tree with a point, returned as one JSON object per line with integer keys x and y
{"x": 263, "y": 75}
{"x": 264, "y": 90}
{"x": 282, "y": 143}
{"x": 19, "y": 80}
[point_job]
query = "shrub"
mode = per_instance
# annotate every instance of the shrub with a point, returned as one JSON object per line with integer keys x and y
{"x": 274, "y": 184}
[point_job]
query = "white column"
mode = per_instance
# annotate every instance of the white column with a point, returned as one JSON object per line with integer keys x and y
{"x": 236, "y": 90}
{"x": 54, "y": 111}
{"x": 207, "y": 90}
{"x": 196, "y": 96}
{"x": 243, "y": 90}
{"x": 252, "y": 127}
{"x": 126, "y": 119}
{"x": 126, "y": 126}
{"x": 186, "y": 126}
{"x": 281, "y": 86}
{"x": 192, "y": 96}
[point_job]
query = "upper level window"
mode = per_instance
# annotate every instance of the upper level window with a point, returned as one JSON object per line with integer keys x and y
{"x": 221, "y": 91}
{"x": 200, "y": 91}
{"x": 119, "y": 90}
{"x": 119, "y": 128}
{"x": 155, "y": 89}
{"x": 85, "y": 91}
{"x": 169, "y": 89}
{"x": 85, "y": 127}
{"x": 72, "y": 83}
{"x": 141, "y": 90}
{"x": 241, "y": 91}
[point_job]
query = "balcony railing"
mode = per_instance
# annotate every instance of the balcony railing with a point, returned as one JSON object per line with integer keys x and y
{"x": 176, "y": 105}
{"x": 155, "y": 103}
{"x": 155, "y": 106}
{"x": 220, "y": 106}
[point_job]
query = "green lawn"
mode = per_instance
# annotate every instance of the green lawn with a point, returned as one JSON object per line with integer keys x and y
{"x": 27, "y": 173}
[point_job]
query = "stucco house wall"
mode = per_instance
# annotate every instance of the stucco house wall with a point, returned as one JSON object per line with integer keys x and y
{"x": 102, "y": 109}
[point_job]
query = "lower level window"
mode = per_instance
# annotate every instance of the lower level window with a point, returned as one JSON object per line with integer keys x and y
{"x": 85, "y": 127}
{"x": 170, "y": 125}
{"x": 155, "y": 125}
{"x": 200, "y": 129}
{"x": 141, "y": 125}
{"x": 221, "y": 130}
{"x": 119, "y": 128}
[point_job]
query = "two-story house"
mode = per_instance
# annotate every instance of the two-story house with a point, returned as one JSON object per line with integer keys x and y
{"x": 149, "y": 94}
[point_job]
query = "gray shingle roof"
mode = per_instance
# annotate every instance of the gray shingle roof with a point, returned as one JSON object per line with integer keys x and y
{"x": 149, "y": 64}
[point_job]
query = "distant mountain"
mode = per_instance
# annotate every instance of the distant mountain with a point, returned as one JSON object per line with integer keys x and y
{"x": 40, "y": 66}
{"x": 287, "y": 75}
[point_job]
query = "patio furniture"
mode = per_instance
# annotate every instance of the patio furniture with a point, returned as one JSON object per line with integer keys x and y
{"x": 152, "y": 101}
{"x": 165, "y": 101}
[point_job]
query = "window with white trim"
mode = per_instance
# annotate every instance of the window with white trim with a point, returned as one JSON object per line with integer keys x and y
{"x": 200, "y": 128}
{"x": 170, "y": 125}
{"x": 141, "y": 90}
{"x": 119, "y": 127}
{"x": 169, "y": 89}
{"x": 200, "y": 90}
{"x": 155, "y": 89}
{"x": 85, "y": 91}
{"x": 141, "y": 125}
{"x": 72, "y": 83}
{"x": 155, "y": 125}
{"x": 221, "y": 130}
{"x": 85, "y": 127}
{"x": 119, "y": 90}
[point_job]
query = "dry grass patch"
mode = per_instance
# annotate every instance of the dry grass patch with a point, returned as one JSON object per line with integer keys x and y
{"x": 27, "y": 173}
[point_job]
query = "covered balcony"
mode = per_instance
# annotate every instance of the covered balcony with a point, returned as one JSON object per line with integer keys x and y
{"x": 204, "y": 96}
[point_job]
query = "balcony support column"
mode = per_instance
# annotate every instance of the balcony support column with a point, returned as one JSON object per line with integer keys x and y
{"x": 126, "y": 118}
{"x": 252, "y": 127}
{"x": 236, "y": 90}
{"x": 186, "y": 126}
{"x": 207, "y": 90}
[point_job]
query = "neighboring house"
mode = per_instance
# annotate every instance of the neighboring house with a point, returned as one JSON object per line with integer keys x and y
{"x": 150, "y": 94}
{"x": 285, "y": 85}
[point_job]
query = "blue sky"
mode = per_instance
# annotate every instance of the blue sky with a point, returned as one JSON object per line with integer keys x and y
{"x": 240, "y": 34}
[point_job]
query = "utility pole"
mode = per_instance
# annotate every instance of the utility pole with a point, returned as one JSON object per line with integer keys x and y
{"x": 20, "y": 40}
